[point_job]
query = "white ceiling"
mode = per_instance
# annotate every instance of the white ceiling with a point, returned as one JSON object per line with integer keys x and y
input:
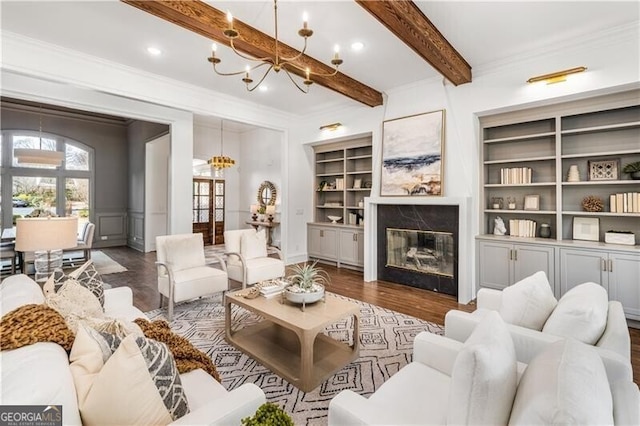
{"x": 485, "y": 33}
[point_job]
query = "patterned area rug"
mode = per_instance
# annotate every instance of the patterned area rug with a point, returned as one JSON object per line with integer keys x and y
{"x": 386, "y": 343}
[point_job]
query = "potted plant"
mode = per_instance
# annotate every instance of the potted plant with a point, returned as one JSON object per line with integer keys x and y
{"x": 633, "y": 169}
{"x": 307, "y": 284}
{"x": 268, "y": 414}
{"x": 261, "y": 211}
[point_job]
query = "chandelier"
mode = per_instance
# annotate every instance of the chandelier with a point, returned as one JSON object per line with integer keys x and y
{"x": 277, "y": 62}
{"x": 220, "y": 162}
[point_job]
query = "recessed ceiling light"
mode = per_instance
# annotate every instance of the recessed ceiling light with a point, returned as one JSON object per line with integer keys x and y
{"x": 357, "y": 46}
{"x": 154, "y": 51}
{"x": 263, "y": 88}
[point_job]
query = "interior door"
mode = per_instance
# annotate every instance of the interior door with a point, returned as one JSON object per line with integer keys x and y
{"x": 219, "y": 188}
{"x": 202, "y": 209}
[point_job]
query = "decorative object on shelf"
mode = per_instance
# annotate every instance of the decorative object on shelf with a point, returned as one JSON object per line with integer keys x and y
{"x": 220, "y": 162}
{"x": 412, "y": 154}
{"x": 271, "y": 211}
{"x": 277, "y": 62}
{"x": 586, "y": 228}
{"x": 361, "y": 203}
{"x": 267, "y": 194}
{"x": 334, "y": 219}
{"x": 591, "y": 203}
{"x": 545, "y": 230}
{"x": 353, "y": 218}
{"x": 627, "y": 238}
{"x": 496, "y": 203}
{"x": 511, "y": 203}
{"x": 499, "y": 227}
{"x": 532, "y": 202}
{"x": 633, "y": 169}
{"x": 574, "y": 174}
{"x": 604, "y": 169}
{"x": 367, "y": 184}
{"x": 626, "y": 202}
{"x": 254, "y": 212}
{"x": 357, "y": 183}
{"x": 322, "y": 185}
{"x": 307, "y": 284}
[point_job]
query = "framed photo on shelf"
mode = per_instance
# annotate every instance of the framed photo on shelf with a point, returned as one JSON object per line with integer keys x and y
{"x": 532, "y": 202}
{"x": 357, "y": 183}
{"x": 604, "y": 169}
{"x": 412, "y": 155}
{"x": 586, "y": 228}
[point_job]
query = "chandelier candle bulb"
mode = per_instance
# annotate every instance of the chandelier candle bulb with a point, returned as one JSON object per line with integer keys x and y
{"x": 230, "y": 19}
{"x": 305, "y": 20}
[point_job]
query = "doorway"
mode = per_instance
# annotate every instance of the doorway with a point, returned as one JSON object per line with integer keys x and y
{"x": 208, "y": 209}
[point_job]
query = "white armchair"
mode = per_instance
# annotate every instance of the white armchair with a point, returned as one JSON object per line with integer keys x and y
{"x": 480, "y": 382}
{"x": 248, "y": 260}
{"x": 182, "y": 272}
{"x": 613, "y": 343}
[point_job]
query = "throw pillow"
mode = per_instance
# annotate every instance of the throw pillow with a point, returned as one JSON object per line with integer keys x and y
{"x": 185, "y": 251}
{"x": 31, "y": 324}
{"x": 254, "y": 245}
{"x": 187, "y": 356}
{"x": 565, "y": 384}
{"x": 86, "y": 275}
{"x": 76, "y": 303}
{"x": 128, "y": 381}
{"x": 529, "y": 302}
{"x": 484, "y": 376}
{"x": 581, "y": 313}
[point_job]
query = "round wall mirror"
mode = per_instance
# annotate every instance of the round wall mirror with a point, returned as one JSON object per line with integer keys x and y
{"x": 267, "y": 194}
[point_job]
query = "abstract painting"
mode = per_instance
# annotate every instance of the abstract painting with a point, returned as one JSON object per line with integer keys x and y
{"x": 412, "y": 154}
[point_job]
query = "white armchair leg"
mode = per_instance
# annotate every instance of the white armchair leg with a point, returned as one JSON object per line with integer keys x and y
{"x": 170, "y": 309}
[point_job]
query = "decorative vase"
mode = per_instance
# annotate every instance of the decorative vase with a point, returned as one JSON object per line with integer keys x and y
{"x": 574, "y": 174}
{"x": 545, "y": 230}
{"x": 295, "y": 294}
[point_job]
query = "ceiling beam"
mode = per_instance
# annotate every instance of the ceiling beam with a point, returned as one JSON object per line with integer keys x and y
{"x": 209, "y": 22}
{"x": 409, "y": 24}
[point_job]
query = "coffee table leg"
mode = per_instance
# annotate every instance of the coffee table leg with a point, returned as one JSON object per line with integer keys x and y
{"x": 306, "y": 356}
{"x": 227, "y": 318}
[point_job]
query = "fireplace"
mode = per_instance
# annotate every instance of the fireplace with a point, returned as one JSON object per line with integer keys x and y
{"x": 417, "y": 246}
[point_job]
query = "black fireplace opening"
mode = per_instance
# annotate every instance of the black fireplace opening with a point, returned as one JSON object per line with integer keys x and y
{"x": 418, "y": 246}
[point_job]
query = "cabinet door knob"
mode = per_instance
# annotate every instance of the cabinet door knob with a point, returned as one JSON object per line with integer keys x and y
{"x": 515, "y": 255}
{"x": 610, "y": 265}
{"x": 603, "y": 262}
{"x": 355, "y": 237}
{"x": 322, "y": 233}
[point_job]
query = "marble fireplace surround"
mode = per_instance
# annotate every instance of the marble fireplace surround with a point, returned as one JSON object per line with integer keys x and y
{"x": 465, "y": 282}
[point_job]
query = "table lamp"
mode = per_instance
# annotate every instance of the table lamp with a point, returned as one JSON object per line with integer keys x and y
{"x": 271, "y": 210}
{"x": 46, "y": 237}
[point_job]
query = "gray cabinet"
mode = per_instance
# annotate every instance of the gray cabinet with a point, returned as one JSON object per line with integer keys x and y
{"x": 323, "y": 242}
{"x": 352, "y": 247}
{"x": 503, "y": 264}
{"x": 618, "y": 273}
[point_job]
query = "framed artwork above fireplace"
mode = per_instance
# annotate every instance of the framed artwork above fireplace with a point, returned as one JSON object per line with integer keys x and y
{"x": 412, "y": 155}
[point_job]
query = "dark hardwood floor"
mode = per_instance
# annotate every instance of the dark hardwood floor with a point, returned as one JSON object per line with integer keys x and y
{"x": 424, "y": 304}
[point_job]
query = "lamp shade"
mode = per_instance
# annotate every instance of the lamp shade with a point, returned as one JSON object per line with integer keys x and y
{"x": 51, "y": 233}
{"x": 38, "y": 156}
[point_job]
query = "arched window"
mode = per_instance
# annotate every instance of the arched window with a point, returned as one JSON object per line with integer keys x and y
{"x": 28, "y": 189}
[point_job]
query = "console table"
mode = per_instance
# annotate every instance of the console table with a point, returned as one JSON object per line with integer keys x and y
{"x": 266, "y": 224}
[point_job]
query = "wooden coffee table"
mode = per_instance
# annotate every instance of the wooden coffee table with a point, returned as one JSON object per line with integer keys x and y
{"x": 289, "y": 341}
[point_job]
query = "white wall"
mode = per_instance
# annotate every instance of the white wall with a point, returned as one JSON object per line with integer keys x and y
{"x": 613, "y": 65}
{"x": 206, "y": 143}
{"x": 262, "y": 154}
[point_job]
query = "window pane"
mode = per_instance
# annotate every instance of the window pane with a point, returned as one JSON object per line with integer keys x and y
{"x": 219, "y": 188}
{"x": 31, "y": 193}
{"x": 204, "y": 216}
{"x": 77, "y": 200}
{"x": 76, "y": 158}
{"x": 219, "y": 215}
{"x": 33, "y": 142}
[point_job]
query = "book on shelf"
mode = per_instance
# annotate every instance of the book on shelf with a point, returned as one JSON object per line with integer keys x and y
{"x": 626, "y": 202}
{"x": 522, "y": 228}
{"x": 515, "y": 175}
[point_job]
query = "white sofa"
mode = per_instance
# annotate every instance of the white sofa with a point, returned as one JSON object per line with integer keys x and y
{"x": 614, "y": 345}
{"x": 40, "y": 374}
{"x": 451, "y": 382}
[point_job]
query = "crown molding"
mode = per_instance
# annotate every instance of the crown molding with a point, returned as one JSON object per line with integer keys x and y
{"x": 24, "y": 55}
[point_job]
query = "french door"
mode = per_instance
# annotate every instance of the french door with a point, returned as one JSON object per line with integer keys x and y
{"x": 208, "y": 210}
